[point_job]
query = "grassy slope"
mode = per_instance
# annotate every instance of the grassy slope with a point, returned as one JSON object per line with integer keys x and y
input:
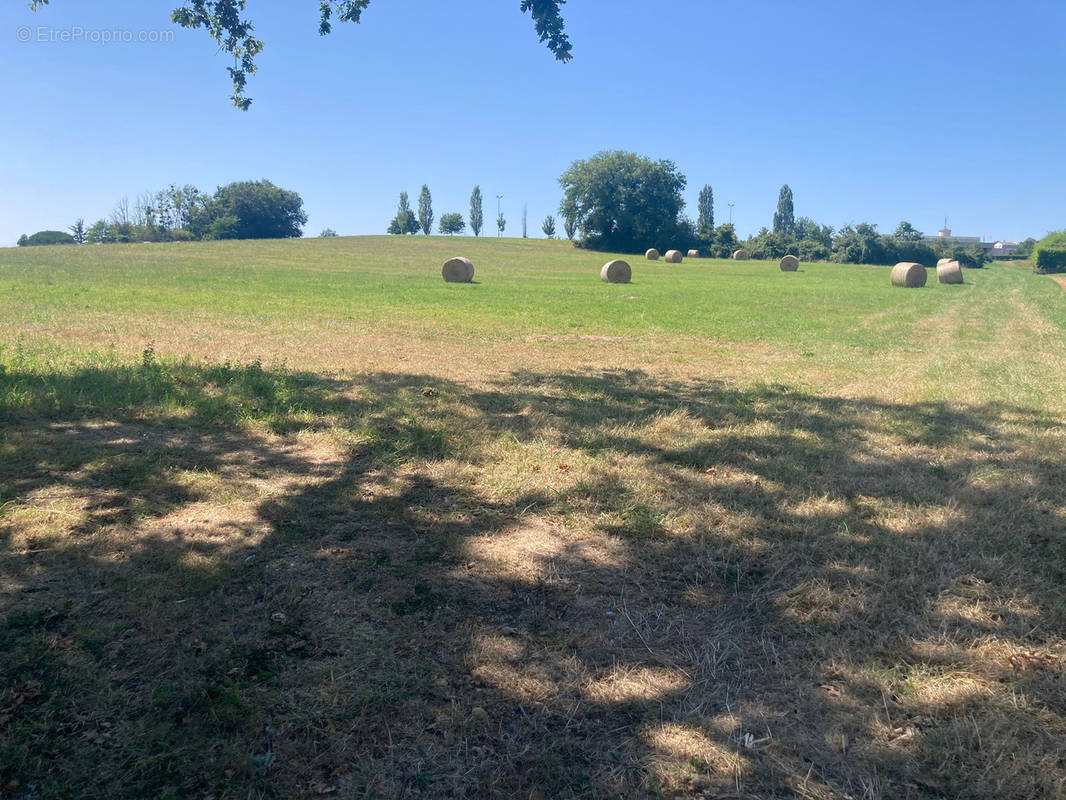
{"x": 521, "y": 286}
{"x": 722, "y": 530}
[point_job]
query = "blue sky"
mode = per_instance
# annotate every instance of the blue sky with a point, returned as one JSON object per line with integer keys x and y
{"x": 872, "y": 112}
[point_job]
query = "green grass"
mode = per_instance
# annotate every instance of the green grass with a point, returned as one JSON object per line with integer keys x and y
{"x": 521, "y": 286}
{"x": 298, "y": 519}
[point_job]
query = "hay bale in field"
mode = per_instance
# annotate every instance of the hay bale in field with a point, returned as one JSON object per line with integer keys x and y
{"x": 672, "y": 257}
{"x": 458, "y": 270}
{"x": 908, "y": 274}
{"x": 948, "y": 271}
{"x": 616, "y": 271}
{"x": 740, "y": 255}
{"x": 652, "y": 255}
{"x": 790, "y": 264}
{"x": 693, "y": 253}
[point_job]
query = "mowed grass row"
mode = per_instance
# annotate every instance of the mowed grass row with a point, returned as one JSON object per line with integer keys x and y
{"x": 720, "y": 532}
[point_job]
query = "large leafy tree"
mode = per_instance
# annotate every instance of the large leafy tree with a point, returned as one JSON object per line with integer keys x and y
{"x": 250, "y": 210}
{"x": 477, "y": 214}
{"x": 623, "y": 202}
{"x": 785, "y": 216}
{"x": 452, "y": 223}
{"x": 425, "y": 210}
{"x": 226, "y": 23}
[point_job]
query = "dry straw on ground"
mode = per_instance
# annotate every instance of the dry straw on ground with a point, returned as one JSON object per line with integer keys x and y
{"x": 789, "y": 264}
{"x": 458, "y": 270}
{"x": 616, "y": 271}
{"x": 948, "y": 271}
{"x": 672, "y": 256}
{"x": 739, "y": 255}
{"x": 908, "y": 274}
{"x": 693, "y": 253}
{"x": 652, "y": 254}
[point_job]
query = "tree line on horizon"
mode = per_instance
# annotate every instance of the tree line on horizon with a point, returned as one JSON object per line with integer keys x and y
{"x": 406, "y": 222}
{"x": 615, "y": 202}
{"x": 239, "y": 210}
{"x": 622, "y": 202}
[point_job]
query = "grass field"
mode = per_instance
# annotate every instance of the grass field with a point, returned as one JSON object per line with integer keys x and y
{"x": 297, "y": 519}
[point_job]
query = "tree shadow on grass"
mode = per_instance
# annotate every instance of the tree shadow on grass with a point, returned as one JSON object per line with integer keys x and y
{"x": 234, "y": 580}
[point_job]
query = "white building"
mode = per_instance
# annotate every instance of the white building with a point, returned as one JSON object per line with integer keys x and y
{"x": 944, "y": 235}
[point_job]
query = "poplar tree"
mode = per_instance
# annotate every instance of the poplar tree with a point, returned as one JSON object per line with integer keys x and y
{"x": 477, "y": 216}
{"x": 425, "y": 210}
{"x": 784, "y": 217}
{"x": 705, "y": 219}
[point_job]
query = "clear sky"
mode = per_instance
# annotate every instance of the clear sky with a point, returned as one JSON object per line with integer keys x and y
{"x": 875, "y": 112}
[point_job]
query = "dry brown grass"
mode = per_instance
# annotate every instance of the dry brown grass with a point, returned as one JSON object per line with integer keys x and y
{"x": 610, "y": 583}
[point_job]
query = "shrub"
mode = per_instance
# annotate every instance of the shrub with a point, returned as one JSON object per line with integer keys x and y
{"x": 812, "y": 250}
{"x": 860, "y": 244}
{"x": 723, "y": 241}
{"x": 768, "y": 245}
{"x": 48, "y": 237}
{"x": 1025, "y": 249}
{"x": 224, "y": 227}
{"x": 1049, "y": 254}
{"x": 973, "y": 257}
{"x": 100, "y": 232}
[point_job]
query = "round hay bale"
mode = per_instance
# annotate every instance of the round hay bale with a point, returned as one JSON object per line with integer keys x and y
{"x": 458, "y": 270}
{"x": 908, "y": 274}
{"x": 948, "y": 271}
{"x": 740, "y": 255}
{"x": 616, "y": 271}
{"x": 672, "y": 257}
{"x": 790, "y": 264}
{"x": 693, "y": 253}
{"x": 652, "y": 255}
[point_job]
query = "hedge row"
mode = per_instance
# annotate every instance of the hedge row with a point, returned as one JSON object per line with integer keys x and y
{"x": 1049, "y": 255}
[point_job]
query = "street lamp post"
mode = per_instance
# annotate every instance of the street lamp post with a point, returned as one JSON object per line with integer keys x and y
{"x": 499, "y": 233}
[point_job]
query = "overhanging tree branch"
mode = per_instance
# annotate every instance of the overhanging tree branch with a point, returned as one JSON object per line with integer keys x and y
{"x": 224, "y": 22}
